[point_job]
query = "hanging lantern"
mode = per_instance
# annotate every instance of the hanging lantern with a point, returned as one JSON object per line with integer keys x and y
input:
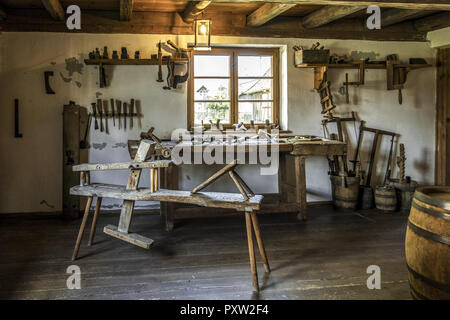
{"x": 202, "y": 34}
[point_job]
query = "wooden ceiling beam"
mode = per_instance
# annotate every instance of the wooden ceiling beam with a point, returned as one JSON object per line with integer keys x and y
{"x": 228, "y": 25}
{"x": 433, "y": 22}
{"x": 126, "y": 10}
{"x": 193, "y": 10}
{"x": 400, "y": 4}
{"x": 266, "y": 13}
{"x": 393, "y": 16}
{"x": 328, "y": 14}
{"x": 55, "y": 9}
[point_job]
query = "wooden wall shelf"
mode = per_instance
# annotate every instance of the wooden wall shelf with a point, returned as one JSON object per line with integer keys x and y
{"x": 366, "y": 66}
{"x": 131, "y": 62}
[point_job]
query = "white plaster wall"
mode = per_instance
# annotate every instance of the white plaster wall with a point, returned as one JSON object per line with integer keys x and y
{"x": 31, "y": 167}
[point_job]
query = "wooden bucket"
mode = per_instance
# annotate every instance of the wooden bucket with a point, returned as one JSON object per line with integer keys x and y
{"x": 427, "y": 244}
{"x": 345, "y": 197}
{"x": 386, "y": 198}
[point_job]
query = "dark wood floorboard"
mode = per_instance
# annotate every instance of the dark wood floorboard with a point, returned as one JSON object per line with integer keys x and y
{"x": 323, "y": 258}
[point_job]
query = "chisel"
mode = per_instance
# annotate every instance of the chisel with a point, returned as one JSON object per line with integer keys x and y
{"x": 112, "y": 112}
{"x": 100, "y": 111}
{"x": 119, "y": 111}
{"x": 125, "y": 116}
{"x": 131, "y": 113}
{"x": 94, "y": 112}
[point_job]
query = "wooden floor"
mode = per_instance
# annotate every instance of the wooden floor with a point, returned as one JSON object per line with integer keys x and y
{"x": 323, "y": 258}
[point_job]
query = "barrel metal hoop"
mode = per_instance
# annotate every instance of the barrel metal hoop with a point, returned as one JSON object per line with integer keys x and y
{"x": 415, "y": 294}
{"x": 431, "y": 212}
{"x": 345, "y": 200}
{"x": 428, "y": 281}
{"x": 428, "y": 235}
{"x": 443, "y": 204}
{"x": 385, "y": 196}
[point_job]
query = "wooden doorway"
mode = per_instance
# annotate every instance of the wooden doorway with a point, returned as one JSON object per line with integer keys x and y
{"x": 443, "y": 118}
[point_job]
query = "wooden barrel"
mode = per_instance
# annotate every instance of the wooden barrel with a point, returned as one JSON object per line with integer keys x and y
{"x": 345, "y": 195}
{"x": 427, "y": 244}
{"x": 386, "y": 198}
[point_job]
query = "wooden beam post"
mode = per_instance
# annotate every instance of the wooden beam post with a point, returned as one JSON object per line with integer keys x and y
{"x": 433, "y": 22}
{"x": 54, "y": 8}
{"x": 193, "y": 9}
{"x": 328, "y": 14}
{"x": 266, "y": 13}
{"x": 400, "y": 4}
{"x": 126, "y": 10}
{"x": 393, "y": 16}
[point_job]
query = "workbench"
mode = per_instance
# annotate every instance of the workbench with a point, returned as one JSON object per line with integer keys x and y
{"x": 291, "y": 195}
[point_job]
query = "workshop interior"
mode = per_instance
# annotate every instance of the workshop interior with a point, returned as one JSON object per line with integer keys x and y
{"x": 224, "y": 150}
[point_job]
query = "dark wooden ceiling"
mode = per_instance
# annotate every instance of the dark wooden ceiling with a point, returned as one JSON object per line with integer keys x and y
{"x": 338, "y": 19}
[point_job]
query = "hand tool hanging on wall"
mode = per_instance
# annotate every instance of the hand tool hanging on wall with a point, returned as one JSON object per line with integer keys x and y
{"x": 125, "y": 116}
{"x": 112, "y": 112}
{"x": 160, "y": 76}
{"x": 395, "y": 75}
{"x": 100, "y": 111}
{"x": 83, "y": 143}
{"x": 106, "y": 114}
{"x": 102, "y": 75}
{"x": 94, "y": 112}
{"x": 362, "y": 67}
{"x": 358, "y": 145}
{"x": 47, "y": 75}
{"x": 119, "y": 110}
{"x": 131, "y": 113}
{"x": 16, "y": 119}
{"x": 388, "y": 169}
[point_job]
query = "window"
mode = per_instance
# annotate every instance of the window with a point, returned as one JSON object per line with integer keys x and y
{"x": 234, "y": 85}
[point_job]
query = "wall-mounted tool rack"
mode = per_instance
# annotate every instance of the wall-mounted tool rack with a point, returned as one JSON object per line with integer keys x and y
{"x": 320, "y": 69}
{"x": 128, "y": 62}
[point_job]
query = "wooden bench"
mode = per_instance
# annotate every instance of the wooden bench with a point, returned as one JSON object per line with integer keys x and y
{"x": 246, "y": 202}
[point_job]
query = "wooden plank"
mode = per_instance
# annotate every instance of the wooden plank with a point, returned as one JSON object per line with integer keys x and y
{"x": 328, "y": 14}
{"x": 433, "y": 22}
{"x": 133, "y": 182}
{"x": 193, "y": 10}
{"x": 122, "y": 165}
{"x": 401, "y": 4}
{"x": 228, "y": 25}
{"x": 54, "y": 8}
{"x": 205, "y": 199}
{"x": 132, "y": 238}
{"x": 126, "y": 10}
{"x": 392, "y": 16}
{"x": 266, "y": 13}
{"x": 215, "y": 176}
{"x": 251, "y": 252}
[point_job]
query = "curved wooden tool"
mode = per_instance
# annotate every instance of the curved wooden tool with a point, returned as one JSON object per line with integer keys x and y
{"x": 47, "y": 75}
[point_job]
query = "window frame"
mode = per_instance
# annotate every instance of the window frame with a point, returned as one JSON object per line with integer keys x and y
{"x": 233, "y": 53}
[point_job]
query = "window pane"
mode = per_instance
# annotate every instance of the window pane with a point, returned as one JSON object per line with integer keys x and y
{"x": 255, "y": 89}
{"x": 211, "y": 66}
{"x": 256, "y": 111}
{"x": 211, "y": 111}
{"x": 211, "y": 89}
{"x": 254, "y": 66}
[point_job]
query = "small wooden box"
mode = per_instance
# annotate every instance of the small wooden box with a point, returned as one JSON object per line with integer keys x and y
{"x": 311, "y": 57}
